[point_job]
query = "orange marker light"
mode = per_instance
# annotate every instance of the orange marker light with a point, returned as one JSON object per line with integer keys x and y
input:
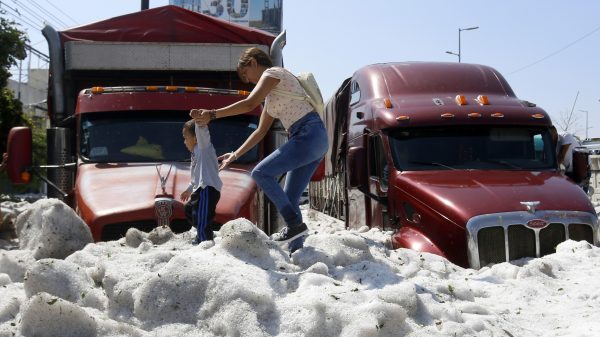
{"x": 171, "y": 88}
{"x": 243, "y": 92}
{"x": 402, "y": 118}
{"x": 152, "y": 88}
{"x": 538, "y": 116}
{"x": 388, "y": 103}
{"x": 497, "y": 115}
{"x": 447, "y": 115}
{"x": 474, "y": 115}
{"x": 97, "y": 90}
{"x": 25, "y": 176}
{"x": 483, "y": 100}
{"x": 191, "y": 89}
{"x": 460, "y": 100}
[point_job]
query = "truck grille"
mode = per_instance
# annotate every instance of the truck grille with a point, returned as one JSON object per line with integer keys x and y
{"x": 501, "y": 237}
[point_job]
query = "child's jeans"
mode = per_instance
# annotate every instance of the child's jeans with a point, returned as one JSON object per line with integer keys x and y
{"x": 299, "y": 157}
{"x": 200, "y": 211}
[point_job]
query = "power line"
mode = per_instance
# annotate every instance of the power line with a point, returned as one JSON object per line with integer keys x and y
{"x": 65, "y": 14}
{"x": 37, "y": 53}
{"x": 36, "y": 43}
{"x": 556, "y": 52}
{"x": 33, "y": 13}
{"x": 21, "y": 17}
{"x": 48, "y": 13}
{"x": 27, "y": 10}
{"x": 17, "y": 20}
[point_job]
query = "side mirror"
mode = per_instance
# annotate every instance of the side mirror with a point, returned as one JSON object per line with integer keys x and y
{"x": 19, "y": 155}
{"x": 581, "y": 164}
{"x": 356, "y": 167}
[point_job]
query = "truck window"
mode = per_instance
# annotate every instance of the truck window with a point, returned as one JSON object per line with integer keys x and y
{"x": 472, "y": 147}
{"x": 354, "y": 92}
{"x": 377, "y": 161}
{"x": 147, "y": 136}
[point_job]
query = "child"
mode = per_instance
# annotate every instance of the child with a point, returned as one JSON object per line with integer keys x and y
{"x": 205, "y": 185}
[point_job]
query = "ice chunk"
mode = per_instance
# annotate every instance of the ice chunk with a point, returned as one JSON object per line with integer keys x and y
{"x": 50, "y": 228}
{"x": 4, "y": 280}
{"x": 134, "y": 237}
{"x": 160, "y": 235}
{"x": 8, "y": 214}
{"x": 571, "y": 246}
{"x": 14, "y": 263}
{"x": 45, "y": 315}
{"x": 333, "y": 250}
{"x": 403, "y": 294}
{"x": 11, "y": 298}
{"x": 65, "y": 280}
{"x": 242, "y": 235}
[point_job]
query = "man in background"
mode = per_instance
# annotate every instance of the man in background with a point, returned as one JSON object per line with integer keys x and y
{"x": 565, "y": 147}
{"x": 566, "y": 144}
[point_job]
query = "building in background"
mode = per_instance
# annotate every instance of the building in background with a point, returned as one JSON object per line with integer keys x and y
{"x": 33, "y": 94}
{"x": 261, "y": 14}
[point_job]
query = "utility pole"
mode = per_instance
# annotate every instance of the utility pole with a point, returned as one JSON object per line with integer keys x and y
{"x": 586, "y": 123}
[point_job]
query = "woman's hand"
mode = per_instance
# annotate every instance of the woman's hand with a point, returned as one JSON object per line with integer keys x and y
{"x": 226, "y": 159}
{"x": 201, "y": 116}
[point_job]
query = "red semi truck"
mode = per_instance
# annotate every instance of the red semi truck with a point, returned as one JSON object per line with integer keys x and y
{"x": 119, "y": 93}
{"x": 449, "y": 159}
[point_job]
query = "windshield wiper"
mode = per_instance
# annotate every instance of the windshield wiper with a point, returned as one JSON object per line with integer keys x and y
{"x": 502, "y": 162}
{"x": 431, "y": 164}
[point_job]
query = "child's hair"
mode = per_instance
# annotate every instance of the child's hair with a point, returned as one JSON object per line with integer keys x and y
{"x": 254, "y": 53}
{"x": 190, "y": 126}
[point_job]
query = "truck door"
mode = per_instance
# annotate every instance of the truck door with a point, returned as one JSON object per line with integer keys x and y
{"x": 378, "y": 182}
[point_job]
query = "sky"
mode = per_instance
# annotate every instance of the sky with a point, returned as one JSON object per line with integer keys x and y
{"x": 55, "y": 282}
{"x": 549, "y": 51}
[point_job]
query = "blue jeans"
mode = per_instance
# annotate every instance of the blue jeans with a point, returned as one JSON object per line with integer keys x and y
{"x": 299, "y": 157}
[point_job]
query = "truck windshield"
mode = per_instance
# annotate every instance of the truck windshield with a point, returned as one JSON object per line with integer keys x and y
{"x": 477, "y": 147}
{"x": 118, "y": 137}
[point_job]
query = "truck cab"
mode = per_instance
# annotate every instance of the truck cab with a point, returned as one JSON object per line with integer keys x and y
{"x": 132, "y": 166}
{"x": 446, "y": 157}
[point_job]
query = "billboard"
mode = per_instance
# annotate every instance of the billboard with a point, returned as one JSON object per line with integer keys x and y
{"x": 261, "y": 14}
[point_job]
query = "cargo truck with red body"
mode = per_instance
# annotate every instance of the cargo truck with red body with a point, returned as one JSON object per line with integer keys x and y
{"x": 119, "y": 93}
{"x": 447, "y": 158}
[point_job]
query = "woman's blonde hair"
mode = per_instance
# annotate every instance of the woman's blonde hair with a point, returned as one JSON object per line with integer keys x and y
{"x": 254, "y": 53}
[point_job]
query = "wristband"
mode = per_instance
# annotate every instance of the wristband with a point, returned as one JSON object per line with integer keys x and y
{"x": 212, "y": 114}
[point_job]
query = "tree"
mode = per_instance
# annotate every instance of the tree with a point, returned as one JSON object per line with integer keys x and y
{"x": 567, "y": 122}
{"x": 12, "y": 48}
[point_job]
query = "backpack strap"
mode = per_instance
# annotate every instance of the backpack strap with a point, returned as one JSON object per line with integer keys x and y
{"x": 291, "y": 94}
{"x": 306, "y": 97}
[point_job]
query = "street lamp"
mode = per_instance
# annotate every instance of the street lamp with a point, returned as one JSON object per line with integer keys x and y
{"x": 586, "y": 123}
{"x": 460, "y": 30}
{"x": 452, "y": 53}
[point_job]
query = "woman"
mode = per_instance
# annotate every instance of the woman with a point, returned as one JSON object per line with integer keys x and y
{"x": 299, "y": 156}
